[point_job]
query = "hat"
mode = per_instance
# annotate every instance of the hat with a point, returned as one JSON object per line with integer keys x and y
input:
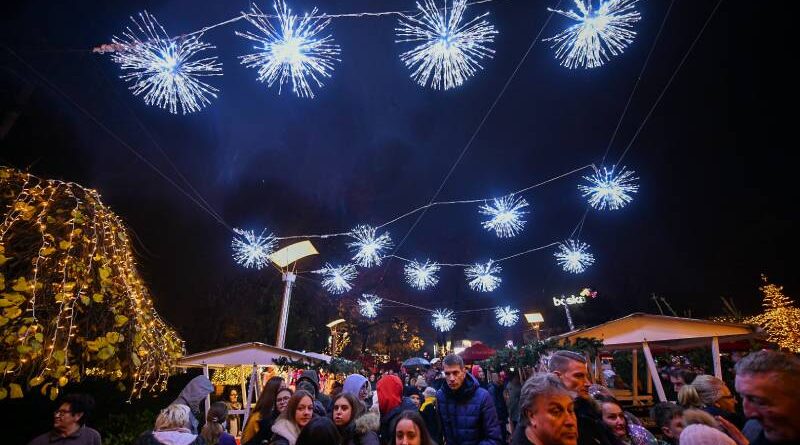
{"x": 699, "y": 434}
{"x": 429, "y": 392}
{"x": 409, "y": 391}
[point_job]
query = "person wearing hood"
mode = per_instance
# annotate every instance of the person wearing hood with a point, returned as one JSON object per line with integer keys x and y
{"x": 319, "y": 408}
{"x": 192, "y": 394}
{"x": 358, "y": 385}
{"x": 311, "y": 376}
{"x": 391, "y": 403}
{"x": 356, "y": 426}
{"x": 288, "y": 425}
{"x": 413, "y": 393}
{"x": 467, "y": 410}
{"x": 172, "y": 428}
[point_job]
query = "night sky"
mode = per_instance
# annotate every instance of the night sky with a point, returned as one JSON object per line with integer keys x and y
{"x": 714, "y": 211}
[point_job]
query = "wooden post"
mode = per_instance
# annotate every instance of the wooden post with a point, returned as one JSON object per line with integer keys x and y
{"x": 651, "y": 365}
{"x": 715, "y": 357}
{"x": 208, "y": 397}
{"x": 635, "y": 361}
{"x": 650, "y": 385}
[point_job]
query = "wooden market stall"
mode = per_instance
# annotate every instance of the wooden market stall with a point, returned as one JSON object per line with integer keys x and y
{"x": 663, "y": 333}
{"x": 253, "y": 355}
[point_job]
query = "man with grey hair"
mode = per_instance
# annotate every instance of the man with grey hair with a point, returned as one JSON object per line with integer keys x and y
{"x": 467, "y": 410}
{"x": 769, "y": 384}
{"x": 546, "y": 410}
{"x": 570, "y": 367}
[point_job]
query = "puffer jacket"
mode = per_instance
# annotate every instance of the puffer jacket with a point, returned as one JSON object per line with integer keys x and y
{"x": 362, "y": 431}
{"x": 284, "y": 432}
{"x": 468, "y": 414}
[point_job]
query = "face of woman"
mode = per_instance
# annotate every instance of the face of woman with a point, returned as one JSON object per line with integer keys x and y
{"x": 233, "y": 396}
{"x": 282, "y": 400}
{"x": 363, "y": 393}
{"x": 342, "y": 412}
{"x": 305, "y": 409}
{"x": 727, "y": 402}
{"x": 614, "y": 418}
{"x": 407, "y": 433}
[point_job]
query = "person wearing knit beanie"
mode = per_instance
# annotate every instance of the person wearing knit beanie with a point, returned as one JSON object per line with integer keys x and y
{"x": 699, "y": 434}
{"x": 421, "y": 383}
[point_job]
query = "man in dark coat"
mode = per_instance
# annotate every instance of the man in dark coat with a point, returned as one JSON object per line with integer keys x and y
{"x": 467, "y": 410}
{"x": 309, "y": 375}
{"x": 570, "y": 367}
{"x": 496, "y": 389}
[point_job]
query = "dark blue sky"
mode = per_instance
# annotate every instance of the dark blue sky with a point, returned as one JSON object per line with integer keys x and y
{"x": 713, "y": 212}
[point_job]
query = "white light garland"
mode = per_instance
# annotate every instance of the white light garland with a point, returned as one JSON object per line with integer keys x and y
{"x": 482, "y": 276}
{"x": 506, "y": 316}
{"x": 336, "y": 279}
{"x": 250, "y": 250}
{"x": 422, "y": 275}
{"x": 448, "y": 51}
{"x": 291, "y": 50}
{"x": 368, "y": 305}
{"x": 443, "y": 320}
{"x": 608, "y": 189}
{"x": 165, "y": 71}
{"x": 574, "y": 256}
{"x": 368, "y": 247}
{"x": 506, "y": 215}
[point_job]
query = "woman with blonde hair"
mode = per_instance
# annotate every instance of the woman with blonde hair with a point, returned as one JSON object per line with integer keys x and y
{"x": 711, "y": 395}
{"x": 172, "y": 427}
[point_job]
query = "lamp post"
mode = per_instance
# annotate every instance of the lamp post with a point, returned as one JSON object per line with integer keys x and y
{"x": 286, "y": 260}
{"x": 338, "y": 339}
{"x": 535, "y": 318}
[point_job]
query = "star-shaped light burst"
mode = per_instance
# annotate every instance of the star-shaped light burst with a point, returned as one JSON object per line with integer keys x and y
{"x": 251, "y": 250}
{"x": 448, "y": 52}
{"x": 482, "y": 276}
{"x": 574, "y": 256}
{"x": 422, "y": 275}
{"x": 443, "y": 320}
{"x": 368, "y": 247}
{"x": 336, "y": 279}
{"x": 506, "y": 215}
{"x": 506, "y": 316}
{"x": 599, "y": 34}
{"x": 368, "y": 305}
{"x": 608, "y": 189}
{"x": 164, "y": 70}
{"x": 293, "y": 49}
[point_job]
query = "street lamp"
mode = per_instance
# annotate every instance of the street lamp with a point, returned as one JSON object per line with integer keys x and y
{"x": 284, "y": 258}
{"x": 338, "y": 339}
{"x": 535, "y": 318}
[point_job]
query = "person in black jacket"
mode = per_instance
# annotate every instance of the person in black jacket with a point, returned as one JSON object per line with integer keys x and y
{"x": 570, "y": 367}
{"x": 430, "y": 414}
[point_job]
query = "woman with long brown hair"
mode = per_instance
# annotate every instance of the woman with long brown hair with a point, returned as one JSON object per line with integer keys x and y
{"x": 288, "y": 425}
{"x": 213, "y": 431}
{"x": 264, "y": 413}
{"x": 356, "y": 426}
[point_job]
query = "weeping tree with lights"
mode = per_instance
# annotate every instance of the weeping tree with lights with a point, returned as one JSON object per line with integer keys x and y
{"x": 780, "y": 317}
{"x": 72, "y": 303}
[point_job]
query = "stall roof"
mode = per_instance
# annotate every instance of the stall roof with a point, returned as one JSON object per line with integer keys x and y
{"x": 670, "y": 332}
{"x": 246, "y": 354}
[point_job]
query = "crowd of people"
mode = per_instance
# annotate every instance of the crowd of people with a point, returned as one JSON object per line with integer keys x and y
{"x": 456, "y": 405}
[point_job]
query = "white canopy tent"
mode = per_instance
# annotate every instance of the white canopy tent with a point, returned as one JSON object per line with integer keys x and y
{"x": 253, "y": 354}
{"x": 640, "y": 330}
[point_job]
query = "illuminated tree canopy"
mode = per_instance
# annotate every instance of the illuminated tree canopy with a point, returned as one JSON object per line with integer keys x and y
{"x": 780, "y": 317}
{"x": 72, "y": 303}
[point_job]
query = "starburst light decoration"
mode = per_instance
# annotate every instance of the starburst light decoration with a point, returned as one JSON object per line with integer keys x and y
{"x": 165, "y": 71}
{"x": 368, "y": 305}
{"x": 574, "y": 256}
{"x": 608, "y": 189}
{"x": 443, "y": 320}
{"x": 599, "y": 33}
{"x": 506, "y": 316}
{"x": 422, "y": 275}
{"x": 505, "y": 215}
{"x": 448, "y": 51}
{"x": 482, "y": 277}
{"x": 336, "y": 279}
{"x": 251, "y": 250}
{"x": 368, "y": 247}
{"x": 294, "y": 49}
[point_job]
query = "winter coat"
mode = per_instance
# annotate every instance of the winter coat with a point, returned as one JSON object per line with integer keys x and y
{"x": 181, "y": 437}
{"x": 499, "y": 402}
{"x": 591, "y": 430}
{"x": 258, "y": 429}
{"x": 430, "y": 414}
{"x": 387, "y": 420}
{"x": 284, "y": 432}
{"x": 311, "y": 376}
{"x": 362, "y": 431}
{"x": 353, "y": 384}
{"x": 390, "y": 393}
{"x": 513, "y": 400}
{"x": 192, "y": 394}
{"x": 468, "y": 414}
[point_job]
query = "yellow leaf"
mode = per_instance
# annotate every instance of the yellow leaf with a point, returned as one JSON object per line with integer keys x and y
{"x": 59, "y": 356}
{"x": 62, "y": 381}
{"x": 69, "y": 286}
{"x": 21, "y": 285}
{"x": 135, "y": 360}
{"x": 85, "y": 300}
{"x": 114, "y": 337}
{"x": 120, "y": 320}
{"x": 105, "y": 272}
{"x": 44, "y": 389}
{"x": 97, "y": 298}
{"x": 64, "y": 245}
{"x": 47, "y": 251}
{"x": 3, "y": 393}
{"x": 2, "y": 282}
{"x": 5, "y": 303}
{"x": 15, "y": 298}
{"x": 53, "y": 393}
{"x": 39, "y": 337}
{"x": 12, "y": 312}
{"x": 106, "y": 353}
{"x": 36, "y": 381}
{"x": 3, "y": 259}
{"x": 16, "y": 391}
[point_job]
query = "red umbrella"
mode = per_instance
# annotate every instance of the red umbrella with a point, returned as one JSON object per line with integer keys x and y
{"x": 478, "y": 351}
